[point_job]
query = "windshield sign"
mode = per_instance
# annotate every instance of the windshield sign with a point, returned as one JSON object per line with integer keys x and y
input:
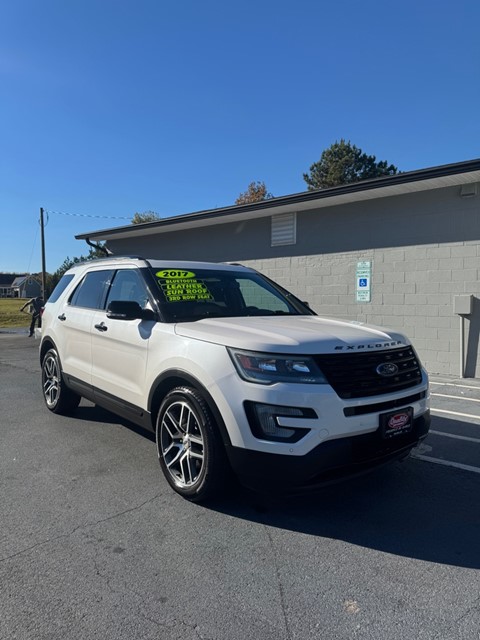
{"x": 187, "y": 296}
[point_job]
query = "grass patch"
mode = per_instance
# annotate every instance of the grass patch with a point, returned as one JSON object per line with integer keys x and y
{"x": 10, "y": 316}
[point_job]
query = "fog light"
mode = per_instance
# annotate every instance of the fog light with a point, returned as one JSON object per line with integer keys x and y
{"x": 264, "y": 421}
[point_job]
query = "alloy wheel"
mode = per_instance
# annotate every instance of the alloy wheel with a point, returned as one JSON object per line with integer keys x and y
{"x": 181, "y": 442}
{"x": 51, "y": 380}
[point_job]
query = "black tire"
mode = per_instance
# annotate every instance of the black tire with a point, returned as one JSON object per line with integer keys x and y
{"x": 190, "y": 450}
{"x": 58, "y": 397}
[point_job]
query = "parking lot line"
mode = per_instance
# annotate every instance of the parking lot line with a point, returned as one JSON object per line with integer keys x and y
{"x": 444, "y": 395}
{"x": 446, "y": 463}
{"x": 453, "y": 435}
{"x": 455, "y": 384}
{"x": 456, "y": 413}
{"x": 460, "y": 446}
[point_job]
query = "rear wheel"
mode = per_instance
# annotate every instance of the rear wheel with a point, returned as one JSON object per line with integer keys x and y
{"x": 58, "y": 397}
{"x": 190, "y": 450}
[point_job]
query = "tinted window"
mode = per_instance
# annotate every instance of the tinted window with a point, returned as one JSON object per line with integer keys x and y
{"x": 192, "y": 295}
{"x": 261, "y": 299}
{"x": 128, "y": 284}
{"x": 60, "y": 288}
{"x": 90, "y": 293}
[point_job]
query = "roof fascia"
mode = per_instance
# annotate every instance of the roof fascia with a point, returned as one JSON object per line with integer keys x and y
{"x": 398, "y": 184}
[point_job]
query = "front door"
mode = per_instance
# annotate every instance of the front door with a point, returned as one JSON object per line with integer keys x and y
{"x": 120, "y": 347}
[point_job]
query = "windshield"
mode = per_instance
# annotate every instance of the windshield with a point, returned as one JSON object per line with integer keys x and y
{"x": 192, "y": 295}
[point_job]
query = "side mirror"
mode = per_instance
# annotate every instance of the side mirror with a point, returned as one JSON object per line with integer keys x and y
{"x": 128, "y": 310}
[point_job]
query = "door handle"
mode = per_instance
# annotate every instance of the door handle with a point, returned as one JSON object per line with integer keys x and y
{"x": 62, "y": 317}
{"x": 101, "y": 327}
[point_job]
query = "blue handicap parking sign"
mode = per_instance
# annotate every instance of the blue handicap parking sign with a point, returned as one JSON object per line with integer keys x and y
{"x": 362, "y": 282}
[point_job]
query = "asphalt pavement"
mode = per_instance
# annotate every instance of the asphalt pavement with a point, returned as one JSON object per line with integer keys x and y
{"x": 94, "y": 544}
{"x": 454, "y": 438}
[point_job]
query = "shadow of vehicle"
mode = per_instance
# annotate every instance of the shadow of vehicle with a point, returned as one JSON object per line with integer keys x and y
{"x": 411, "y": 508}
{"x": 93, "y": 413}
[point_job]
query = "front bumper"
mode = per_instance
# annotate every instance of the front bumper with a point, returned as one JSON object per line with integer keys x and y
{"x": 329, "y": 462}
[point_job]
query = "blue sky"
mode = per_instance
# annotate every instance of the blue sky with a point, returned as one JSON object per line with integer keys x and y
{"x": 109, "y": 107}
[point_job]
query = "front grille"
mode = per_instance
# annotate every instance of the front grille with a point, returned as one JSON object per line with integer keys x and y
{"x": 354, "y": 375}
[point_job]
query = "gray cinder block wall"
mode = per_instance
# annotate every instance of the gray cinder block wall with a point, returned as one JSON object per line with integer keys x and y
{"x": 412, "y": 290}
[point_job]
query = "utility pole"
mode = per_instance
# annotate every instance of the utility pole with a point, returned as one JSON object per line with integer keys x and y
{"x": 42, "y": 228}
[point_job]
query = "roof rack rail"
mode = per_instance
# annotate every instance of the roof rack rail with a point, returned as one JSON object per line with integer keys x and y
{"x": 116, "y": 256}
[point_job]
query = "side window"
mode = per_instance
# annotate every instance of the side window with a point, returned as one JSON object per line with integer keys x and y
{"x": 60, "y": 288}
{"x": 90, "y": 292}
{"x": 128, "y": 284}
{"x": 259, "y": 298}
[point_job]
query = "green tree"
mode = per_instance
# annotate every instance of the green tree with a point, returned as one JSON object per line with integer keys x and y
{"x": 256, "y": 192}
{"x": 53, "y": 278}
{"x": 344, "y": 163}
{"x": 146, "y": 216}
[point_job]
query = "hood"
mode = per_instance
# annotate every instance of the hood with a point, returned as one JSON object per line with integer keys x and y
{"x": 292, "y": 334}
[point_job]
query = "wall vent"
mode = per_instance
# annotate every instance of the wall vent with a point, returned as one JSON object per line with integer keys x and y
{"x": 284, "y": 229}
{"x": 468, "y": 190}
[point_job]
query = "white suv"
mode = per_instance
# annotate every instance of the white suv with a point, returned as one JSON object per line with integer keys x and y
{"x": 232, "y": 372}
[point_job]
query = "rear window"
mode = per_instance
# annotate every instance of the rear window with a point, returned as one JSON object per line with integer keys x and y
{"x": 193, "y": 295}
{"x": 91, "y": 291}
{"x": 60, "y": 288}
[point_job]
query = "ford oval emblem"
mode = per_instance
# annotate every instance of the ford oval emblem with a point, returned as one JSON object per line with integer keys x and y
{"x": 387, "y": 369}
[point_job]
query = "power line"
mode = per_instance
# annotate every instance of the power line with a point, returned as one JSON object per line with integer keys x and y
{"x": 85, "y": 215}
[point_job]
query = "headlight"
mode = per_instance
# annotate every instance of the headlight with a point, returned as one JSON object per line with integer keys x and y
{"x": 268, "y": 368}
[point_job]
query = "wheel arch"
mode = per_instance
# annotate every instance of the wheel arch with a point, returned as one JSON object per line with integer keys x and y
{"x": 167, "y": 381}
{"x": 58, "y": 396}
{"x": 47, "y": 344}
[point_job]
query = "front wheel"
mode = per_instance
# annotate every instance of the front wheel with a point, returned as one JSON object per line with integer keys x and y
{"x": 58, "y": 397}
{"x": 190, "y": 450}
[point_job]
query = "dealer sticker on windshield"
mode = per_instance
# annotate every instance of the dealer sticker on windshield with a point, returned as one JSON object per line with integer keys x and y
{"x": 180, "y": 286}
{"x": 397, "y": 422}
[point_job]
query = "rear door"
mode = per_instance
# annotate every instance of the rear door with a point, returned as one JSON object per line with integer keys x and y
{"x": 76, "y": 316}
